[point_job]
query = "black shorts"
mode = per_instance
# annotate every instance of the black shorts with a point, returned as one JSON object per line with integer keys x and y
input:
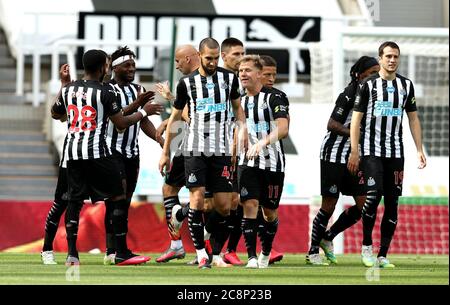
{"x": 335, "y": 178}
{"x": 175, "y": 176}
{"x": 264, "y": 185}
{"x": 62, "y": 189}
{"x": 384, "y": 175}
{"x": 129, "y": 166}
{"x": 211, "y": 172}
{"x": 98, "y": 179}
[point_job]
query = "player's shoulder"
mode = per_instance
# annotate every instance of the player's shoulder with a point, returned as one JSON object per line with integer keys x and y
{"x": 223, "y": 70}
{"x": 402, "y": 78}
{"x": 189, "y": 76}
{"x": 137, "y": 87}
{"x": 350, "y": 91}
{"x": 275, "y": 93}
{"x": 110, "y": 88}
{"x": 371, "y": 78}
{"x": 278, "y": 91}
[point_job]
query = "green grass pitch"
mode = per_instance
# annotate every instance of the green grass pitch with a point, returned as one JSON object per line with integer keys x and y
{"x": 411, "y": 269}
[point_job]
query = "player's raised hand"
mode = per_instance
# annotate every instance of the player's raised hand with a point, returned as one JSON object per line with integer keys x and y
{"x": 152, "y": 108}
{"x": 164, "y": 90}
{"x": 145, "y": 97}
{"x": 64, "y": 74}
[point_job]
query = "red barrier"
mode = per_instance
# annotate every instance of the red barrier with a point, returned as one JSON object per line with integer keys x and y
{"x": 23, "y": 222}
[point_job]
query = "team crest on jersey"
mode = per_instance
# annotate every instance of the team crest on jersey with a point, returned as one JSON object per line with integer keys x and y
{"x": 371, "y": 181}
{"x": 402, "y": 91}
{"x": 224, "y": 85}
{"x": 209, "y": 86}
{"x": 263, "y": 105}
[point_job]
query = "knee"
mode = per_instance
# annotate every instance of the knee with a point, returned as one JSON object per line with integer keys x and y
{"x": 328, "y": 204}
{"x": 169, "y": 191}
{"x": 270, "y": 215}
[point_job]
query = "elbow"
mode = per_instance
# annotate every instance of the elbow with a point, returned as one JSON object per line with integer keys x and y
{"x": 283, "y": 133}
{"x": 121, "y": 126}
{"x": 330, "y": 125}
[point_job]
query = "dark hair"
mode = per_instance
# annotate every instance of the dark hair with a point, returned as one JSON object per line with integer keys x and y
{"x": 94, "y": 60}
{"x": 121, "y": 51}
{"x": 230, "y": 42}
{"x": 388, "y": 44}
{"x": 209, "y": 42}
{"x": 268, "y": 61}
{"x": 361, "y": 65}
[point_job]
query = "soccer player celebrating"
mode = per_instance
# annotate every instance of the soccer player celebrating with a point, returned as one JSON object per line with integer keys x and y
{"x": 60, "y": 200}
{"x": 268, "y": 78}
{"x": 209, "y": 92}
{"x": 187, "y": 61}
{"x": 231, "y": 51}
{"x": 376, "y": 126}
{"x": 124, "y": 143}
{"x": 261, "y": 169}
{"x": 335, "y": 177}
{"x": 92, "y": 169}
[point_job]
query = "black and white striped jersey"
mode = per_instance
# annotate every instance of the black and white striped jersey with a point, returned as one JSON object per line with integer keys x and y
{"x": 336, "y": 148}
{"x": 126, "y": 143}
{"x": 209, "y": 103}
{"x": 88, "y": 105}
{"x": 382, "y": 102}
{"x": 283, "y": 95}
{"x": 261, "y": 111}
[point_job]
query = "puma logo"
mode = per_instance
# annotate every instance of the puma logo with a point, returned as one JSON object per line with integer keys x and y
{"x": 261, "y": 30}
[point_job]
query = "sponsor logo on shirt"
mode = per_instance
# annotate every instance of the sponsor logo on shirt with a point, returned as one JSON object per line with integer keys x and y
{"x": 280, "y": 108}
{"x": 385, "y": 108}
{"x": 207, "y": 105}
{"x": 257, "y": 127}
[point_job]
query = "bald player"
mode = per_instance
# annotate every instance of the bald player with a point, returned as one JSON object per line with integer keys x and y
{"x": 186, "y": 61}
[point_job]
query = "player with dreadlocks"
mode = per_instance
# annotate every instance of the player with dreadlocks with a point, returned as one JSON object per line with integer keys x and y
{"x": 335, "y": 177}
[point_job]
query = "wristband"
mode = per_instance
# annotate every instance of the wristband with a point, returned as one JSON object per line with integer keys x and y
{"x": 142, "y": 111}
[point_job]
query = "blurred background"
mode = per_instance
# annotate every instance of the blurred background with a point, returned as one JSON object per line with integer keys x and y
{"x": 314, "y": 42}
